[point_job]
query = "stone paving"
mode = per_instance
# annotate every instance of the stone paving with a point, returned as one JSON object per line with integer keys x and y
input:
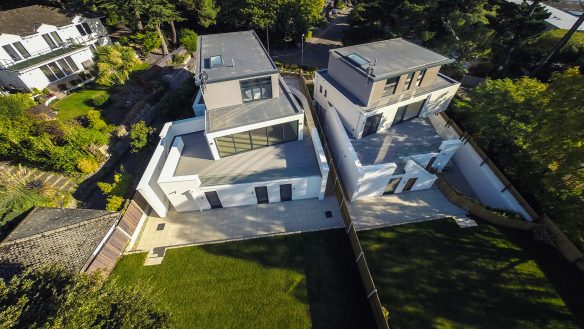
{"x": 402, "y": 208}
{"x": 235, "y": 223}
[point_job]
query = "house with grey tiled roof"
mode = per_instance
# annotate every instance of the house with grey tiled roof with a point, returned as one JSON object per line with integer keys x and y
{"x": 71, "y": 238}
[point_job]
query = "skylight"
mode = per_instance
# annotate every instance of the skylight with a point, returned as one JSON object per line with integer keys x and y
{"x": 358, "y": 60}
{"x": 216, "y": 61}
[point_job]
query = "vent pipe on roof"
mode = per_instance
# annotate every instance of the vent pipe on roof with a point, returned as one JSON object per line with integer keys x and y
{"x": 232, "y": 62}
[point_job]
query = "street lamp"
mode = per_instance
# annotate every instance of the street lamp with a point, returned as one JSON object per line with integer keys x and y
{"x": 302, "y": 45}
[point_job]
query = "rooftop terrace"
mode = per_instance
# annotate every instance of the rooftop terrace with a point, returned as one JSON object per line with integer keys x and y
{"x": 416, "y": 136}
{"x": 291, "y": 159}
{"x": 229, "y": 56}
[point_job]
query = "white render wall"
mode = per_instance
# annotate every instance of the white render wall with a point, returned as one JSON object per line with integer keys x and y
{"x": 482, "y": 179}
{"x": 35, "y": 45}
{"x": 228, "y": 93}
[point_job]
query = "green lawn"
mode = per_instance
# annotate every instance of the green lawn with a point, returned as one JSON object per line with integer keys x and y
{"x": 297, "y": 281}
{"x": 78, "y": 103}
{"x": 434, "y": 274}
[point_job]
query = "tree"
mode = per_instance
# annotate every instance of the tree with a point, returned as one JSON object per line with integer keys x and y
{"x": 114, "y": 64}
{"x": 54, "y": 298}
{"x": 206, "y": 11}
{"x": 513, "y": 25}
{"x": 159, "y": 12}
{"x": 148, "y": 41}
{"x": 261, "y": 14}
{"x": 139, "y": 135}
{"x": 561, "y": 43}
{"x": 189, "y": 39}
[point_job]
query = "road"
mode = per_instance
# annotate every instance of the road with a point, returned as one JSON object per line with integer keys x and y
{"x": 316, "y": 48}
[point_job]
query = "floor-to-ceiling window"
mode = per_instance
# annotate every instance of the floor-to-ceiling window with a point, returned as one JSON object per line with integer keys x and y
{"x": 257, "y": 138}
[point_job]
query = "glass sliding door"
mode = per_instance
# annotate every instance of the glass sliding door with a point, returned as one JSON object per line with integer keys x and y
{"x": 63, "y": 64}
{"x": 21, "y": 49}
{"x": 413, "y": 110}
{"x": 275, "y": 135}
{"x": 257, "y": 138}
{"x": 225, "y": 145}
{"x": 242, "y": 142}
{"x": 48, "y": 73}
{"x": 55, "y": 68}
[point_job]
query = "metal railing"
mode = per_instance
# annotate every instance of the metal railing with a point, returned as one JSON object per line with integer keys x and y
{"x": 68, "y": 44}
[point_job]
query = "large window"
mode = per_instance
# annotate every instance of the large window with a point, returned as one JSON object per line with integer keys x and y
{"x": 408, "y": 112}
{"x": 420, "y": 78}
{"x": 21, "y": 49}
{"x": 56, "y": 38}
{"x": 256, "y": 89}
{"x": 390, "y": 85}
{"x": 49, "y": 41}
{"x": 257, "y": 138}
{"x": 83, "y": 29}
{"x": 12, "y": 53}
{"x": 408, "y": 81}
{"x": 59, "y": 69}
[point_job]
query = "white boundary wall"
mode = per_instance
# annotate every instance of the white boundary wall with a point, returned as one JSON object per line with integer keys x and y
{"x": 484, "y": 182}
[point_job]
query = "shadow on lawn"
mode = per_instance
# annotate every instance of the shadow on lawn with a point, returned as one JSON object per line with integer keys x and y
{"x": 435, "y": 274}
{"x": 335, "y": 295}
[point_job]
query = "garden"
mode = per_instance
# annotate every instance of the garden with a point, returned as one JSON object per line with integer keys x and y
{"x": 297, "y": 281}
{"x": 435, "y": 274}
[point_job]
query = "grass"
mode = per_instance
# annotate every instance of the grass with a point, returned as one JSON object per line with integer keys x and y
{"x": 140, "y": 67}
{"x": 296, "y": 281}
{"x": 78, "y": 103}
{"x": 434, "y": 274}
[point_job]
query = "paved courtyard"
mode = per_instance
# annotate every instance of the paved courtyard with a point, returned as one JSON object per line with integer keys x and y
{"x": 216, "y": 225}
{"x": 402, "y": 208}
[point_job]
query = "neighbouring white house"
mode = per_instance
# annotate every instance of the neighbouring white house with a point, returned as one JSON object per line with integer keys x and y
{"x": 41, "y": 45}
{"x": 248, "y": 142}
{"x": 377, "y": 102}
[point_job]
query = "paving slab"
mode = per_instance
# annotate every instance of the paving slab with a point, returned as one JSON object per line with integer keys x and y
{"x": 402, "y": 208}
{"x": 236, "y": 223}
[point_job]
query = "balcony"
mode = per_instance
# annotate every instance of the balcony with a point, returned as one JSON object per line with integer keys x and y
{"x": 68, "y": 47}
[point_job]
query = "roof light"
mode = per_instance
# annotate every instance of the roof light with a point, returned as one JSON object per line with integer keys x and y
{"x": 216, "y": 61}
{"x": 357, "y": 59}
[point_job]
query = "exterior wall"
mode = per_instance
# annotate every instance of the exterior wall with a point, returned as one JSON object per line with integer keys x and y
{"x": 484, "y": 182}
{"x": 228, "y": 93}
{"x": 348, "y": 113}
{"x": 36, "y": 45}
{"x": 430, "y": 76}
{"x": 350, "y": 78}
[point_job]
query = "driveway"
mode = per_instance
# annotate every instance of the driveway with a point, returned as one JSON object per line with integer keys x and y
{"x": 316, "y": 49}
{"x": 402, "y": 208}
{"x": 236, "y": 223}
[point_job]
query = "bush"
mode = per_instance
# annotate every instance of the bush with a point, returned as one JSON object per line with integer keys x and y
{"x": 87, "y": 165}
{"x": 147, "y": 41}
{"x": 95, "y": 121}
{"x": 139, "y": 133}
{"x": 178, "y": 59}
{"x": 99, "y": 100}
{"x": 189, "y": 39}
{"x": 114, "y": 203}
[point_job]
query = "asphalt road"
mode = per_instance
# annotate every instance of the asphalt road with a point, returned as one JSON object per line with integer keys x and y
{"x": 316, "y": 48}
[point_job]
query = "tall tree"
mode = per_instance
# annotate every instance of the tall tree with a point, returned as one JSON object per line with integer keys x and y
{"x": 261, "y": 14}
{"x": 114, "y": 64}
{"x": 159, "y": 12}
{"x": 562, "y": 42}
{"x": 206, "y": 11}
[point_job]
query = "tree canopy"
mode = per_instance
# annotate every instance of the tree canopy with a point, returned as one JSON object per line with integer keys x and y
{"x": 53, "y": 298}
{"x": 534, "y": 131}
{"x": 114, "y": 64}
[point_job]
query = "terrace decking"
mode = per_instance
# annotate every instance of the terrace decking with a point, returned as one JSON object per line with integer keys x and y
{"x": 287, "y": 160}
{"x": 416, "y": 136}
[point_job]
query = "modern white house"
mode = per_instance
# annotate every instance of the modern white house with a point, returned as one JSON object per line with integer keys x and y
{"x": 377, "y": 102}
{"x": 248, "y": 142}
{"x": 41, "y": 45}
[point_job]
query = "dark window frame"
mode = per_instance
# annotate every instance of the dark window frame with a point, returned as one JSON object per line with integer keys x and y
{"x": 81, "y": 30}
{"x": 11, "y": 51}
{"x": 21, "y": 49}
{"x": 408, "y": 82}
{"x": 420, "y": 77}
{"x": 87, "y": 28}
{"x": 49, "y": 40}
{"x": 285, "y": 135}
{"x": 390, "y": 86}
{"x": 263, "y": 85}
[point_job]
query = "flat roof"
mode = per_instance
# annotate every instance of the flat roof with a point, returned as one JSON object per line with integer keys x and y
{"x": 416, "y": 136}
{"x": 254, "y": 112}
{"x": 392, "y": 57}
{"x": 286, "y": 160}
{"x": 558, "y": 18}
{"x": 241, "y": 55}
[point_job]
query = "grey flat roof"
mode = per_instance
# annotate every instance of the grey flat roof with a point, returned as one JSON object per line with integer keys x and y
{"x": 286, "y": 160}
{"x": 393, "y": 57}
{"x": 416, "y": 136}
{"x": 242, "y": 54}
{"x": 253, "y": 112}
{"x": 440, "y": 82}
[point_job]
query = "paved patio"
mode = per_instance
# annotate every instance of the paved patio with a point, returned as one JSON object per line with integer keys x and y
{"x": 402, "y": 208}
{"x": 235, "y": 223}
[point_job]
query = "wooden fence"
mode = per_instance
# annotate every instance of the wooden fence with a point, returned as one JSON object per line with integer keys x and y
{"x": 335, "y": 183}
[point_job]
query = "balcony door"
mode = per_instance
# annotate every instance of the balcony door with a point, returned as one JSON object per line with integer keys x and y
{"x": 286, "y": 192}
{"x": 391, "y": 186}
{"x": 409, "y": 184}
{"x": 213, "y": 200}
{"x": 371, "y": 125}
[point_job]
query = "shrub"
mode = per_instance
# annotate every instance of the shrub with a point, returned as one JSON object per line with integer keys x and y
{"x": 139, "y": 133}
{"x": 189, "y": 39}
{"x": 87, "y": 165}
{"x": 99, "y": 100}
{"x": 178, "y": 59}
{"x": 95, "y": 121}
{"x": 114, "y": 203}
{"x": 147, "y": 41}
